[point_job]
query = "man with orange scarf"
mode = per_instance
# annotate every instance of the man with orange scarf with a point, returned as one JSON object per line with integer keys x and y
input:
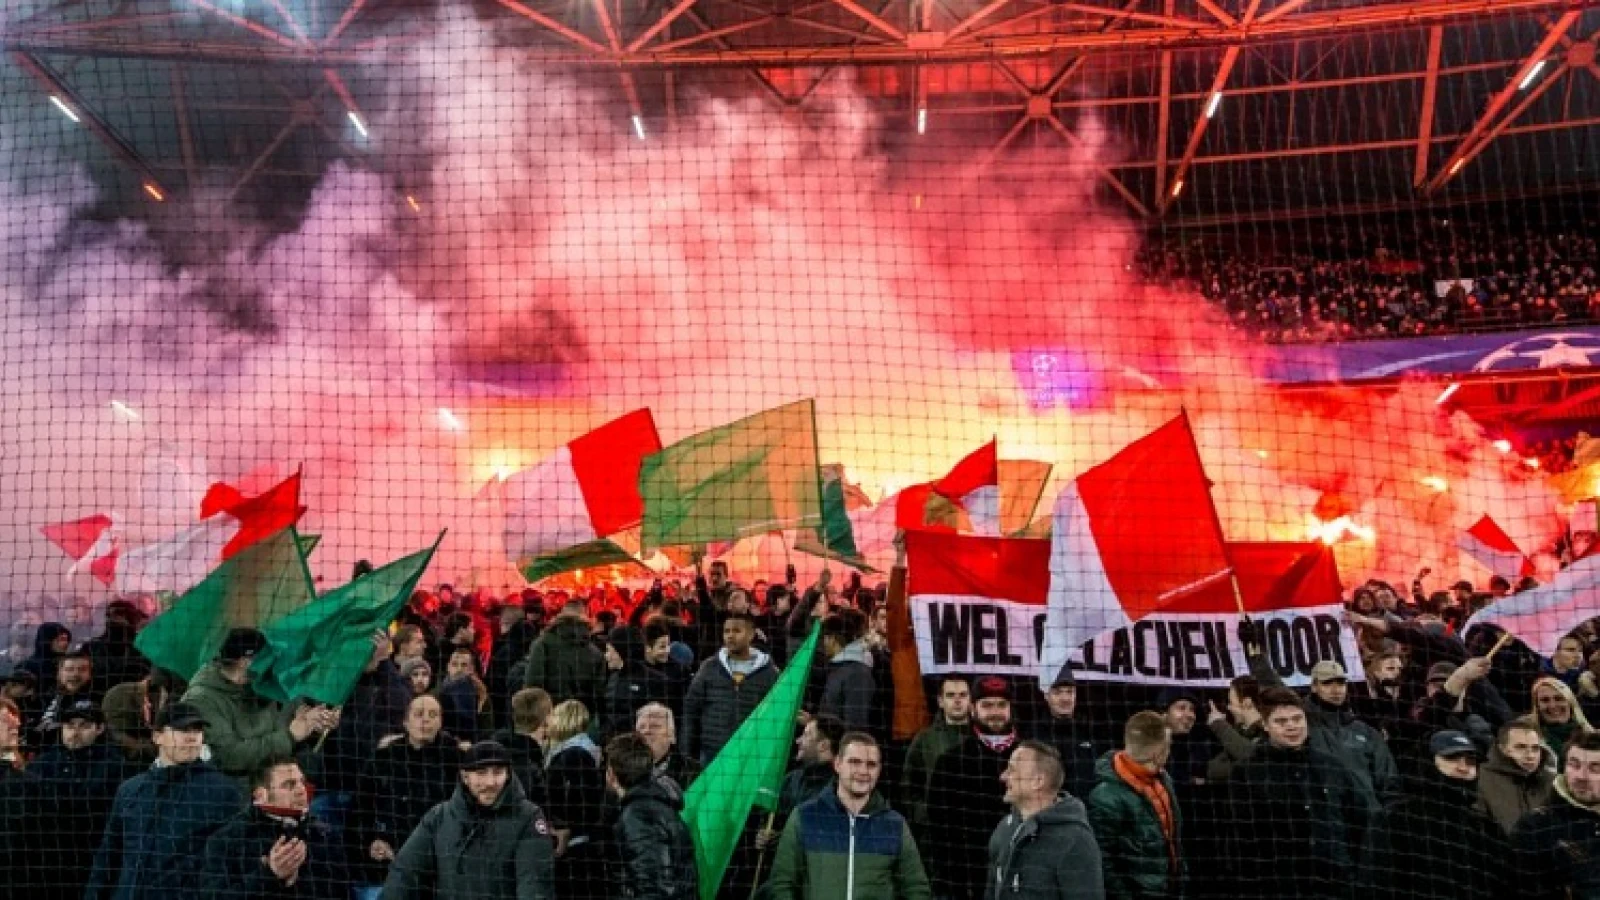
{"x": 1134, "y": 811}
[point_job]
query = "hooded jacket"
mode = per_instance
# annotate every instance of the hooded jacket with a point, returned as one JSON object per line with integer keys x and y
{"x": 634, "y": 685}
{"x": 1138, "y": 863}
{"x": 656, "y": 848}
{"x": 155, "y": 839}
{"x": 114, "y": 658}
{"x": 718, "y": 703}
{"x": 42, "y": 664}
{"x": 567, "y": 665}
{"x": 234, "y": 866}
{"x": 826, "y": 853}
{"x": 243, "y": 729}
{"x": 1436, "y": 843}
{"x": 1050, "y": 855}
{"x": 464, "y": 851}
{"x": 850, "y": 688}
{"x": 1556, "y": 850}
{"x": 1506, "y": 793}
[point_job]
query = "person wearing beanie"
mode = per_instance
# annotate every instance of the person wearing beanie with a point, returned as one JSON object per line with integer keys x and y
{"x": 1190, "y": 750}
{"x": 1074, "y": 738}
{"x": 632, "y": 682}
{"x": 966, "y": 797}
{"x": 486, "y": 841}
{"x": 243, "y": 728}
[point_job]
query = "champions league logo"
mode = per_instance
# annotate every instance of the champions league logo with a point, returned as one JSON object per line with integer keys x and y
{"x": 1546, "y": 351}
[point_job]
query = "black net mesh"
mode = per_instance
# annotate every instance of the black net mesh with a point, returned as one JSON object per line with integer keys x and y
{"x": 949, "y": 449}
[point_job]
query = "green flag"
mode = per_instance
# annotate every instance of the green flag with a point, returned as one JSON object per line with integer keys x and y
{"x": 757, "y": 475}
{"x": 603, "y": 552}
{"x": 747, "y": 773}
{"x": 318, "y": 651}
{"x": 835, "y": 538}
{"x": 308, "y": 543}
{"x": 260, "y": 584}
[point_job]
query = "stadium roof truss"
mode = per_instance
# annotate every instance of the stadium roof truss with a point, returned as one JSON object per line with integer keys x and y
{"x": 1222, "y": 110}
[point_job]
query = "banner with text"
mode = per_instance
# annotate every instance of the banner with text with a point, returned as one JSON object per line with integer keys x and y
{"x": 978, "y": 606}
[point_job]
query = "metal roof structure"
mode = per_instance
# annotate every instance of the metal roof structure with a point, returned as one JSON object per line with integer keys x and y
{"x": 1221, "y": 110}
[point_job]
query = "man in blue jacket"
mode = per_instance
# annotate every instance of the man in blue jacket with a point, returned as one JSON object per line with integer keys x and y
{"x": 155, "y": 840}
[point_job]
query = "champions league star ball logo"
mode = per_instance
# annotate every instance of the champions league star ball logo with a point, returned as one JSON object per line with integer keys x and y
{"x": 1547, "y": 351}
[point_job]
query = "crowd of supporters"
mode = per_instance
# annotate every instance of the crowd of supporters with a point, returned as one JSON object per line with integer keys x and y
{"x": 1465, "y": 278}
{"x": 539, "y": 745}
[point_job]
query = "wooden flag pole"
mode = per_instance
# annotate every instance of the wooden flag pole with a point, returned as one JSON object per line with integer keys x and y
{"x": 1505, "y": 638}
{"x": 761, "y": 858}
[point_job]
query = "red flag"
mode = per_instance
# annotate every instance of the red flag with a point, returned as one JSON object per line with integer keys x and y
{"x": 1488, "y": 543}
{"x": 1130, "y": 536}
{"x": 89, "y": 539}
{"x": 259, "y": 517}
{"x": 980, "y": 468}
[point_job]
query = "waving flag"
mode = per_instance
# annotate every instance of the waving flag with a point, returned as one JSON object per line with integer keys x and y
{"x": 230, "y": 523}
{"x": 754, "y": 476}
{"x": 1488, "y": 543}
{"x": 586, "y": 492}
{"x": 90, "y": 541}
{"x": 1541, "y": 617}
{"x": 1128, "y": 537}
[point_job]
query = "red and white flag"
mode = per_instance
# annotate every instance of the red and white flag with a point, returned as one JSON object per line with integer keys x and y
{"x": 229, "y": 523}
{"x": 587, "y": 491}
{"x": 1130, "y": 536}
{"x": 1488, "y": 543}
{"x": 1541, "y": 617}
{"x": 91, "y": 542}
{"x": 975, "y": 479}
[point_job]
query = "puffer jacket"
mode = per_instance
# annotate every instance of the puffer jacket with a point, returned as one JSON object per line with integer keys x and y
{"x": 717, "y": 703}
{"x": 567, "y": 665}
{"x": 1557, "y": 850}
{"x": 243, "y": 729}
{"x": 76, "y": 791}
{"x": 464, "y": 851}
{"x": 1138, "y": 863}
{"x": 155, "y": 840}
{"x": 850, "y": 688}
{"x": 1050, "y": 855}
{"x": 828, "y": 854}
{"x": 656, "y": 848}
{"x": 1507, "y": 793}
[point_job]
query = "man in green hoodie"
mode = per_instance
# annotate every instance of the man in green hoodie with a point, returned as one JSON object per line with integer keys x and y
{"x": 244, "y": 729}
{"x": 847, "y": 844}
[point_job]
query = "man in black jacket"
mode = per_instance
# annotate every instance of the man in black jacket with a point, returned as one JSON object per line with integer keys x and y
{"x": 657, "y": 851}
{"x": 78, "y": 781}
{"x": 966, "y": 797}
{"x": 154, "y": 843}
{"x": 486, "y": 841}
{"x": 849, "y": 690}
{"x": 1073, "y": 738}
{"x": 1438, "y": 842}
{"x": 1298, "y": 813}
{"x": 276, "y": 848}
{"x": 726, "y": 690}
{"x": 1557, "y": 849}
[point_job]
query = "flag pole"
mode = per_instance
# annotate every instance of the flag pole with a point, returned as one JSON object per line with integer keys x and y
{"x": 1505, "y": 638}
{"x": 761, "y": 858}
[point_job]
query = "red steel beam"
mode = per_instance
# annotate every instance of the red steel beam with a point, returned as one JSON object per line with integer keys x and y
{"x": 1201, "y": 121}
{"x": 1468, "y": 146}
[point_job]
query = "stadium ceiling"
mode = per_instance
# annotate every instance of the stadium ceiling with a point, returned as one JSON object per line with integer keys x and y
{"x": 1219, "y": 110}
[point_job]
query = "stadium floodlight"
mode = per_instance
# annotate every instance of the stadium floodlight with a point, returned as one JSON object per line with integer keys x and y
{"x": 65, "y": 109}
{"x": 638, "y": 127}
{"x": 922, "y": 120}
{"x": 1211, "y": 106}
{"x": 355, "y": 119}
{"x": 1532, "y": 76}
